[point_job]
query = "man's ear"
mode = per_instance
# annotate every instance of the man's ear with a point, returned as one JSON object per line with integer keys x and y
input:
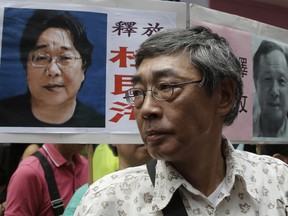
{"x": 281, "y": 157}
{"x": 226, "y": 96}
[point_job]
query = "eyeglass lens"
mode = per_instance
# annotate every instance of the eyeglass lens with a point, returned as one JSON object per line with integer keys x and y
{"x": 159, "y": 91}
{"x": 43, "y": 60}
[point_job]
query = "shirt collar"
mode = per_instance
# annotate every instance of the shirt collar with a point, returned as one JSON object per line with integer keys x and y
{"x": 239, "y": 165}
{"x": 56, "y": 158}
{"x": 168, "y": 180}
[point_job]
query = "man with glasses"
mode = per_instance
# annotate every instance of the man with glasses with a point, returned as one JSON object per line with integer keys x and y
{"x": 187, "y": 87}
{"x": 55, "y": 52}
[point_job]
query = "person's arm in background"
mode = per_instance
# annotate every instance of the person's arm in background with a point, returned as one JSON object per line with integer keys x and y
{"x": 25, "y": 192}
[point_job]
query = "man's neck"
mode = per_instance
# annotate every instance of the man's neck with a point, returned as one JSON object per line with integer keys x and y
{"x": 204, "y": 175}
{"x": 54, "y": 114}
{"x": 272, "y": 128}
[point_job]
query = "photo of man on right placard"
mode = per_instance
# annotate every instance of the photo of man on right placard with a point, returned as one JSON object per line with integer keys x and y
{"x": 270, "y": 74}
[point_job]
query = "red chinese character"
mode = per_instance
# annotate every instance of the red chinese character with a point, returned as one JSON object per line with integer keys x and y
{"x": 122, "y": 110}
{"x": 122, "y": 56}
{"x": 121, "y": 81}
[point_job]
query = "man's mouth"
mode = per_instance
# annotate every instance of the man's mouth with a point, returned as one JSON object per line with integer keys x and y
{"x": 53, "y": 87}
{"x": 153, "y": 136}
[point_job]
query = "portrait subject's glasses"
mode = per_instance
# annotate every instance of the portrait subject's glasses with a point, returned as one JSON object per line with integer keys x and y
{"x": 42, "y": 60}
{"x": 160, "y": 91}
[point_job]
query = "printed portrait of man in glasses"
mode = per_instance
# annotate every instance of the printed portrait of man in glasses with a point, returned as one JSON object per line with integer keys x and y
{"x": 57, "y": 55}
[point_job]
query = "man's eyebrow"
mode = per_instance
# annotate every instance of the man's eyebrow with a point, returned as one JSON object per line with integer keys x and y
{"x": 167, "y": 72}
{"x": 41, "y": 46}
{"x": 136, "y": 79}
{"x": 157, "y": 74}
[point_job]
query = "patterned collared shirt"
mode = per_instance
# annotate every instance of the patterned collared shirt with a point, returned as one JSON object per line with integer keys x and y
{"x": 253, "y": 185}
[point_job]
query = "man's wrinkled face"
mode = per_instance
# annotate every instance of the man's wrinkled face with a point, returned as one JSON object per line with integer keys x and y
{"x": 171, "y": 129}
{"x": 272, "y": 86}
{"x": 54, "y": 84}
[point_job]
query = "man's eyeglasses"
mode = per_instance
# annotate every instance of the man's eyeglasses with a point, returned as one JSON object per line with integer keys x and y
{"x": 42, "y": 60}
{"x": 160, "y": 91}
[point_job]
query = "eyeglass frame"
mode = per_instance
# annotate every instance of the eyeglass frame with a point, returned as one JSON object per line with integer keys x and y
{"x": 144, "y": 93}
{"x": 51, "y": 59}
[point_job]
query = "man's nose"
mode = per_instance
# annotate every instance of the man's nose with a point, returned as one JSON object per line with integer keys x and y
{"x": 275, "y": 88}
{"x": 53, "y": 68}
{"x": 150, "y": 107}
